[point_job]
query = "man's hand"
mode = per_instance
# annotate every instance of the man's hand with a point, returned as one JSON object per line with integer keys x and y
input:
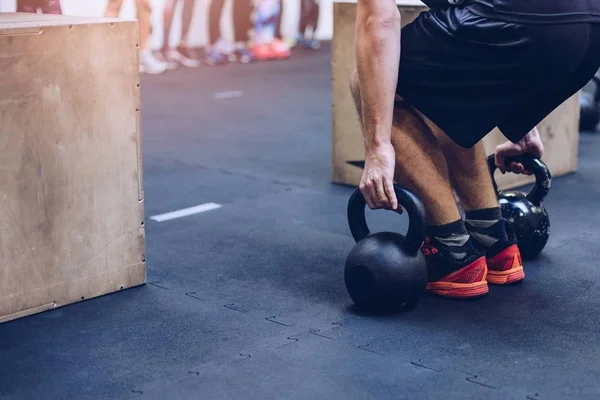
{"x": 377, "y": 183}
{"x": 530, "y": 144}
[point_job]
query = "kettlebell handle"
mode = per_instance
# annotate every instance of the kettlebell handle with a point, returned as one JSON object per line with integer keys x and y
{"x": 408, "y": 200}
{"x": 543, "y": 177}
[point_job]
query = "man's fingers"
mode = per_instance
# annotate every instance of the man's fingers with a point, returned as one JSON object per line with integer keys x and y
{"x": 516, "y": 168}
{"x": 500, "y": 162}
{"x": 380, "y": 192}
{"x": 369, "y": 200}
{"x": 519, "y": 168}
{"x": 374, "y": 195}
{"x": 391, "y": 195}
{"x": 365, "y": 192}
{"x": 370, "y": 194}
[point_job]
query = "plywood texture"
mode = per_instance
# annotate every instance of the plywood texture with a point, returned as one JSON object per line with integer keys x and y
{"x": 71, "y": 199}
{"x": 559, "y": 130}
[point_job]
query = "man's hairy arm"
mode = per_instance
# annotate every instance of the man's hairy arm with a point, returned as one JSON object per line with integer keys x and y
{"x": 377, "y": 57}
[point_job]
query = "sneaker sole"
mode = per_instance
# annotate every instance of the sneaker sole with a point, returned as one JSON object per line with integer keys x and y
{"x": 214, "y": 63}
{"x": 155, "y": 71}
{"x": 245, "y": 60}
{"x": 458, "y": 290}
{"x": 507, "y": 277}
{"x": 497, "y": 272}
{"x": 476, "y": 286}
{"x": 190, "y": 64}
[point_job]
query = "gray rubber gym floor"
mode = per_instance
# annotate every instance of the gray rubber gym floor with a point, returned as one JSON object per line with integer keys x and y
{"x": 247, "y": 301}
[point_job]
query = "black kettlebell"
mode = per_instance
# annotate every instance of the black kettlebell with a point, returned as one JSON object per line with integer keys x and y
{"x": 386, "y": 271}
{"x": 526, "y": 215}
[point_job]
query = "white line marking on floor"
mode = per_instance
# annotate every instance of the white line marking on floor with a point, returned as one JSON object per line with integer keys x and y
{"x": 228, "y": 95}
{"x": 186, "y": 212}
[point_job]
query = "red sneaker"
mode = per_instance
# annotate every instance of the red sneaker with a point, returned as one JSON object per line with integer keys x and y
{"x": 262, "y": 52}
{"x": 464, "y": 278}
{"x": 280, "y": 50}
{"x": 506, "y": 266}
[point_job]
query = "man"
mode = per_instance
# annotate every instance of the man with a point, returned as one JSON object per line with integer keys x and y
{"x": 427, "y": 94}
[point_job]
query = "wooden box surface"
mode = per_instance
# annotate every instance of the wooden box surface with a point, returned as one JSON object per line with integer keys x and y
{"x": 560, "y": 130}
{"x": 71, "y": 198}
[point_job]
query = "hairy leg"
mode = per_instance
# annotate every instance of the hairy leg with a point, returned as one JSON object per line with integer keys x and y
{"x": 473, "y": 184}
{"x": 469, "y": 172}
{"x": 420, "y": 163}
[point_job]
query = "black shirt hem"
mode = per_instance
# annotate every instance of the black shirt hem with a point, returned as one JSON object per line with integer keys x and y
{"x": 485, "y": 10}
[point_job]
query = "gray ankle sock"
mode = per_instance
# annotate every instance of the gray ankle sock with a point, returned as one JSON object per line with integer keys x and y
{"x": 486, "y": 226}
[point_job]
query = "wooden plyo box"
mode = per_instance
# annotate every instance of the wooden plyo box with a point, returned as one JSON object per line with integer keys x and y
{"x": 71, "y": 198}
{"x": 559, "y": 131}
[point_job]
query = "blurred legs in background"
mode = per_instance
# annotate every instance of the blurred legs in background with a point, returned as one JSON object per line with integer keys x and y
{"x": 148, "y": 63}
{"x": 307, "y": 25}
{"x": 213, "y": 54}
{"x": 278, "y": 34}
{"x": 309, "y": 20}
{"x": 182, "y": 53}
{"x": 268, "y": 43}
{"x": 242, "y": 24}
{"x": 218, "y": 51}
{"x": 285, "y": 43}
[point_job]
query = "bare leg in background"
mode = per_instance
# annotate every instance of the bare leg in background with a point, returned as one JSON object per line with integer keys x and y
{"x": 182, "y": 54}
{"x": 168, "y": 14}
{"x": 186, "y": 21}
{"x": 113, "y": 8}
{"x": 148, "y": 63}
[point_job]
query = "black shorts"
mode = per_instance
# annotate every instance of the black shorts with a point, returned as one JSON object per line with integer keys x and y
{"x": 470, "y": 74}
